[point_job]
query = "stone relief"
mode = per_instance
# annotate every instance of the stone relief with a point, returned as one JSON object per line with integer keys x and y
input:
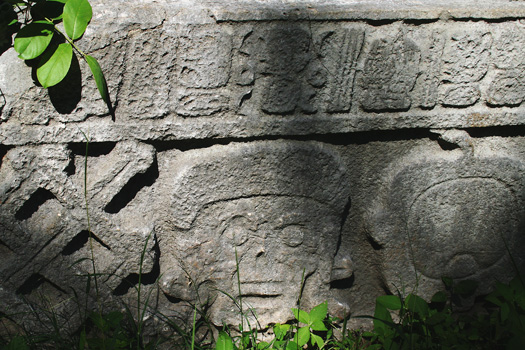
{"x": 277, "y": 205}
{"x": 390, "y": 73}
{"x": 466, "y": 60}
{"x": 202, "y": 68}
{"x": 182, "y": 88}
{"x": 43, "y": 217}
{"x": 450, "y": 213}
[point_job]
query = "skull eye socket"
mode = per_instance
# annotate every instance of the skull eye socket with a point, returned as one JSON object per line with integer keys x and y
{"x": 237, "y": 235}
{"x": 292, "y": 236}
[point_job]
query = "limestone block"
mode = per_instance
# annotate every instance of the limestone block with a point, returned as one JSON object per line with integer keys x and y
{"x": 277, "y": 205}
{"x": 146, "y": 78}
{"x": 339, "y": 51}
{"x": 450, "y": 213}
{"x": 390, "y": 73}
{"x": 465, "y": 61}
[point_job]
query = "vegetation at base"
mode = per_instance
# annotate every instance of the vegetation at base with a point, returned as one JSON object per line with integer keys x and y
{"x": 399, "y": 323}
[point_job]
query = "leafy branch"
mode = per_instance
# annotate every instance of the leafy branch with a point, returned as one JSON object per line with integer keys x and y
{"x": 39, "y": 38}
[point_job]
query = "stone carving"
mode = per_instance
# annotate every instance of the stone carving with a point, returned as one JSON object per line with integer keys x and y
{"x": 390, "y": 73}
{"x": 339, "y": 53}
{"x": 450, "y": 214}
{"x": 287, "y": 57}
{"x": 184, "y": 80}
{"x": 425, "y": 93}
{"x": 465, "y": 63}
{"x": 43, "y": 218}
{"x": 145, "y": 90}
{"x": 203, "y": 67}
{"x": 277, "y": 205}
{"x": 506, "y": 87}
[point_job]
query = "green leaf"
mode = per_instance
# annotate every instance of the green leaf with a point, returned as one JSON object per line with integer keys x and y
{"x": 448, "y": 282}
{"x": 100, "y": 80}
{"x": 302, "y": 336}
{"x": 317, "y": 340}
{"x": 439, "y": 297}
{"x": 280, "y": 330}
{"x": 224, "y": 342}
{"x": 293, "y": 346}
{"x": 319, "y": 312}
{"x": 263, "y": 345}
{"x": 505, "y": 311}
{"x": 391, "y": 302}
{"x": 33, "y": 39}
{"x": 17, "y": 343}
{"x": 54, "y": 65}
{"x": 301, "y": 316}
{"x": 417, "y": 304}
{"x": 318, "y": 325}
{"x": 77, "y": 14}
{"x": 465, "y": 288}
{"x": 82, "y": 341}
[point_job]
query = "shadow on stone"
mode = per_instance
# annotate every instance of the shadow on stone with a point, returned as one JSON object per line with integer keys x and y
{"x": 65, "y": 95}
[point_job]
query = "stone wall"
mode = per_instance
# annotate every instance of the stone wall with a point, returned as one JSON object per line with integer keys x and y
{"x": 365, "y": 147}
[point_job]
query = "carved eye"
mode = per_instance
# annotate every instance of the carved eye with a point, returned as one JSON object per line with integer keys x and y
{"x": 237, "y": 234}
{"x": 292, "y": 236}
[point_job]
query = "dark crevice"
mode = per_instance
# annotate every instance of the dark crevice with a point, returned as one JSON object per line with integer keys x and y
{"x": 502, "y": 19}
{"x": 375, "y": 245}
{"x": 95, "y": 149}
{"x": 35, "y": 281}
{"x": 2, "y": 243}
{"x": 80, "y": 241}
{"x": 456, "y": 107}
{"x": 420, "y": 21}
{"x": 386, "y": 289}
{"x": 361, "y": 137}
{"x": 262, "y": 296}
{"x": 344, "y": 283}
{"x": 3, "y": 151}
{"x": 130, "y": 190}
{"x": 34, "y": 202}
{"x": 351, "y": 138}
{"x": 147, "y": 278}
{"x": 445, "y": 145}
{"x": 173, "y": 299}
{"x": 70, "y": 169}
{"x": 502, "y": 131}
{"x": 381, "y": 22}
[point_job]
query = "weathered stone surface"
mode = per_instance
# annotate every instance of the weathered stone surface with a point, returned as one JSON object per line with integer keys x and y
{"x": 276, "y": 204}
{"x": 390, "y": 73}
{"x": 324, "y": 137}
{"x": 450, "y": 213}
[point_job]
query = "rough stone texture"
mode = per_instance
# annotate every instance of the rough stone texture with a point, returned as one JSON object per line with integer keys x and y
{"x": 373, "y": 145}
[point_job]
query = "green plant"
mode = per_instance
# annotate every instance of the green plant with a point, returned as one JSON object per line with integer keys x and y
{"x": 41, "y": 41}
{"x": 314, "y": 322}
{"x": 313, "y": 334}
{"x": 436, "y": 324}
{"x": 508, "y": 320}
